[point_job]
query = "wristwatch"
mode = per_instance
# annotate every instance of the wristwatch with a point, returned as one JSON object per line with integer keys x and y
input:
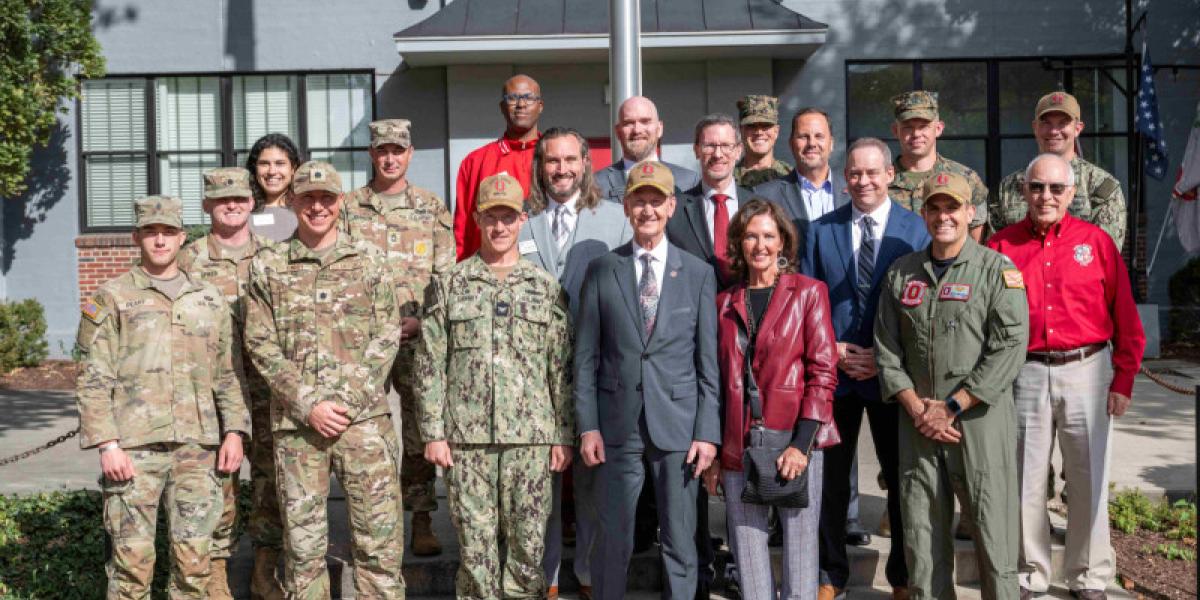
{"x": 109, "y": 446}
{"x": 954, "y": 406}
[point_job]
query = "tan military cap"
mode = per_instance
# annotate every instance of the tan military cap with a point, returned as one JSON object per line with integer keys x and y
{"x": 754, "y": 109}
{"x": 948, "y": 184}
{"x": 650, "y": 173}
{"x": 153, "y": 210}
{"x": 227, "y": 182}
{"x": 316, "y": 175}
{"x": 501, "y": 190}
{"x": 917, "y": 104}
{"x": 391, "y": 131}
{"x": 1057, "y": 102}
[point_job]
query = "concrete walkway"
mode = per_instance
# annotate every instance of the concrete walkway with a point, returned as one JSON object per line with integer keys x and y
{"x": 1154, "y": 451}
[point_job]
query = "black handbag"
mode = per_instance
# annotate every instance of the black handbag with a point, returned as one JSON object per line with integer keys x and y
{"x": 764, "y": 485}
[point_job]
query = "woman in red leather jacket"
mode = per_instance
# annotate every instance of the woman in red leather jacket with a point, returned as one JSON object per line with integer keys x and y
{"x": 795, "y": 367}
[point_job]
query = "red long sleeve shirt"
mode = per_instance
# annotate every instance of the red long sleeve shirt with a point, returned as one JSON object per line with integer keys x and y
{"x": 1078, "y": 290}
{"x": 501, "y": 156}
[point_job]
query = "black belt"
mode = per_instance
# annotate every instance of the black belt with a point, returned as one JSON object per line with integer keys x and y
{"x": 1067, "y": 356}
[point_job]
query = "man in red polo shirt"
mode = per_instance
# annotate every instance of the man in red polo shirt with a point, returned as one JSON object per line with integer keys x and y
{"x": 521, "y": 105}
{"x": 1085, "y": 347}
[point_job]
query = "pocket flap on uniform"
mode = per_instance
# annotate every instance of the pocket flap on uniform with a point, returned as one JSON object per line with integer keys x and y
{"x": 535, "y": 312}
{"x": 464, "y": 309}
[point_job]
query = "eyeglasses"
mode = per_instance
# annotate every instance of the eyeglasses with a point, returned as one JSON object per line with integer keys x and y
{"x": 1038, "y": 187}
{"x": 519, "y": 98}
{"x": 712, "y": 148}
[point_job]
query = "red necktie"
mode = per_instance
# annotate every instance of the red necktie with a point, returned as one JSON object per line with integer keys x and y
{"x": 720, "y": 229}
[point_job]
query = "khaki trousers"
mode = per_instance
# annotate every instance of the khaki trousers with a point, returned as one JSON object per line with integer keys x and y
{"x": 1069, "y": 402}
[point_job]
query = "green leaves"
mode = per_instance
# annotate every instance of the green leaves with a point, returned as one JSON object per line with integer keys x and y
{"x": 45, "y": 47}
{"x": 22, "y": 334}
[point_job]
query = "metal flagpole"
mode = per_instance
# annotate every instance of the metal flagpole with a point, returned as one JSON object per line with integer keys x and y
{"x": 624, "y": 57}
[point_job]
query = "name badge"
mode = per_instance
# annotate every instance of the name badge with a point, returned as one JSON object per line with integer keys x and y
{"x": 263, "y": 219}
{"x": 960, "y": 292}
{"x": 527, "y": 247}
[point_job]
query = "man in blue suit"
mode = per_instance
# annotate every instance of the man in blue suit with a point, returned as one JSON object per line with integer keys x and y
{"x": 646, "y": 386}
{"x": 850, "y": 249}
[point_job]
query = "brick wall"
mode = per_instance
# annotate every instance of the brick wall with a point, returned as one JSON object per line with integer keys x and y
{"x": 102, "y": 257}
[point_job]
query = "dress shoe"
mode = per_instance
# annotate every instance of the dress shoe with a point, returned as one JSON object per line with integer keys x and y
{"x": 827, "y": 592}
{"x": 885, "y": 526}
{"x": 858, "y": 538}
{"x": 585, "y": 592}
{"x": 1089, "y": 594}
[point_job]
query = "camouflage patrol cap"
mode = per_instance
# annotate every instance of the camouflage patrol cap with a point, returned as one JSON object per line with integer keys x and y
{"x": 1057, "y": 102}
{"x": 153, "y": 210}
{"x": 316, "y": 175}
{"x": 650, "y": 173}
{"x": 917, "y": 104}
{"x": 949, "y": 184}
{"x": 755, "y": 108}
{"x": 501, "y": 190}
{"x": 391, "y": 131}
{"x": 227, "y": 182}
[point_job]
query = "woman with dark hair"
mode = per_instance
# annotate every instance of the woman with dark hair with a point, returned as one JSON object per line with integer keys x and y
{"x": 272, "y": 160}
{"x": 775, "y": 338}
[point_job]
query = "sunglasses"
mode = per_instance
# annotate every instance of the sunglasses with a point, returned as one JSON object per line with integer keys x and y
{"x": 1038, "y": 187}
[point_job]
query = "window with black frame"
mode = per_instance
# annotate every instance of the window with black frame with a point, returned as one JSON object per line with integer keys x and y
{"x": 156, "y": 135}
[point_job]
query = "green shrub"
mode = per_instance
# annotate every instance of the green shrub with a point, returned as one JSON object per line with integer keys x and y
{"x": 22, "y": 334}
{"x": 1130, "y": 511}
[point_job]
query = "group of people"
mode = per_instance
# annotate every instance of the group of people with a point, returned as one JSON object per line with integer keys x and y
{"x": 615, "y": 346}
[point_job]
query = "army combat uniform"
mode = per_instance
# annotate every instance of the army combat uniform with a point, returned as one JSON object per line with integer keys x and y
{"x": 494, "y": 367}
{"x": 324, "y": 325}
{"x": 414, "y": 230}
{"x": 228, "y": 270}
{"x": 158, "y": 376}
{"x": 757, "y": 109}
{"x": 1098, "y": 200}
{"x": 964, "y": 330}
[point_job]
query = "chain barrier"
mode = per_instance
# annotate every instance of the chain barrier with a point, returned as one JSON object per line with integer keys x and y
{"x": 1178, "y": 389}
{"x": 52, "y": 443}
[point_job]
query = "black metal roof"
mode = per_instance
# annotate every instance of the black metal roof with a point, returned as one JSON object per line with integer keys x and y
{"x": 556, "y": 17}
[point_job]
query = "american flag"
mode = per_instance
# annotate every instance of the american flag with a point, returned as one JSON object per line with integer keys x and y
{"x": 1148, "y": 121}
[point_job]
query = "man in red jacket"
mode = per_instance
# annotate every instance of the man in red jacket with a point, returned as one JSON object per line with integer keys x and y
{"x": 1085, "y": 347}
{"x": 521, "y": 105}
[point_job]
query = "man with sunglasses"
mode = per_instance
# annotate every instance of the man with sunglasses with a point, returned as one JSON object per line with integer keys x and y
{"x": 1085, "y": 346}
{"x": 1098, "y": 199}
{"x": 512, "y": 154}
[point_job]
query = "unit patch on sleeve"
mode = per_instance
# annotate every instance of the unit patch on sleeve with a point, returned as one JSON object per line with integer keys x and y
{"x": 1013, "y": 279}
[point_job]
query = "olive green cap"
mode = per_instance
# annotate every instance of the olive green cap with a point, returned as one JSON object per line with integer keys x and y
{"x": 155, "y": 210}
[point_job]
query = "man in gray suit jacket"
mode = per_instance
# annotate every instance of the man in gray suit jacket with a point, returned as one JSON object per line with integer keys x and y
{"x": 646, "y": 386}
{"x": 569, "y": 226}
{"x": 638, "y": 130}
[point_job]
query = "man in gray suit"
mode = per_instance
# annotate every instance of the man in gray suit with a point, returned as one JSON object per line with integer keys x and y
{"x": 569, "y": 225}
{"x": 639, "y": 130}
{"x": 646, "y": 386}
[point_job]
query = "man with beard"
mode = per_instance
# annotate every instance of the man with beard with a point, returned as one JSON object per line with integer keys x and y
{"x": 639, "y": 131}
{"x": 759, "y": 119}
{"x": 568, "y": 226}
{"x": 521, "y": 105}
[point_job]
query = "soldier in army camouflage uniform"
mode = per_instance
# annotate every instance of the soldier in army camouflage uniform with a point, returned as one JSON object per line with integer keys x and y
{"x": 222, "y": 259}
{"x": 918, "y": 127}
{"x": 158, "y": 392}
{"x": 494, "y": 367}
{"x": 1098, "y": 198}
{"x": 758, "y": 117}
{"x": 413, "y": 229}
{"x": 323, "y": 328}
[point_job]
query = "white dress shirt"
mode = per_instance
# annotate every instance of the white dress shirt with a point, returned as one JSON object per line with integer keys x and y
{"x": 880, "y": 216}
{"x": 710, "y": 210}
{"x": 658, "y": 262}
{"x": 564, "y": 211}
{"x": 818, "y": 199}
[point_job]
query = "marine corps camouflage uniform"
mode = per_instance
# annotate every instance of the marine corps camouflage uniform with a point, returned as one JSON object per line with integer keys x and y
{"x": 1098, "y": 200}
{"x": 750, "y": 178}
{"x": 325, "y": 326}
{"x": 206, "y": 260}
{"x": 757, "y": 109}
{"x": 494, "y": 367}
{"x": 415, "y": 232}
{"x": 906, "y": 187}
{"x": 158, "y": 376}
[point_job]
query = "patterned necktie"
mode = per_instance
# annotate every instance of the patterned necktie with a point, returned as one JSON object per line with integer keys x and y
{"x": 648, "y": 294}
{"x": 866, "y": 259}
{"x": 720, "y": 230}
{"x": 561, "y": 233}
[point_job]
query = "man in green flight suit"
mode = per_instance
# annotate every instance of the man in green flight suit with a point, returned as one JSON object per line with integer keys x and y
{"x": 950, "y": 338}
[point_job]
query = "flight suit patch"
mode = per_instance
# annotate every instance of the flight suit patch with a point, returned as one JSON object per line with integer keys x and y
{"x": 960, "y": 292}
{"x": 914, "y": 293}
{"x": 1013, "y": 279}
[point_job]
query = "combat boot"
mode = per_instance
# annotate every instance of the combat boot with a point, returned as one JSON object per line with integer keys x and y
{"x": 263, "y": 584}
{"x": 424, "y": 543}
{"x": 218, "y": 582}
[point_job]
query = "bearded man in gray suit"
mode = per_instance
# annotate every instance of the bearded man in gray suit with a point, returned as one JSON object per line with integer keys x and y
{"x": 638, "y": 130}
{"x": 569, "y": 225}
